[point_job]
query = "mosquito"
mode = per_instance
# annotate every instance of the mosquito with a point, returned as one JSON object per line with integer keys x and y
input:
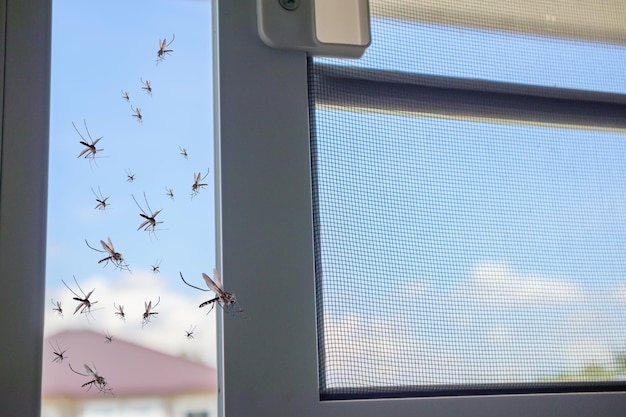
{"x": 162, "y": 51}
{"x": 130, "y": 177}
{"x": 183, "y": 152}
{"x": 155, "y": 267}
{"x": 189, "y": 333}
{"x": 57, "y": 307}
{"x": 125, "y": 96}
{"x": 120, "y": 311}
{"x": 197, "y": 185}
{"x": 150, "y": 223}
{"x": 225, "y": 299}
{"x": 108, "y": 337}
{"x": 59, "y": 355}
{"x": 149, "y": 313}
{"x": 96, "y": 380}
{"x": 102, "y": 201}
{"x": 115, "y": 257}
{"x": 85, "y": 304}
{"x": 90, "y": 147}
{"x": 169, "y": 192}
{"x": 147, "y": 87}
{"x": 137, "y": 113}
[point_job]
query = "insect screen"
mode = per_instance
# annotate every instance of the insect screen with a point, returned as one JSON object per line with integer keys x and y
{"x": 470, "y": 203}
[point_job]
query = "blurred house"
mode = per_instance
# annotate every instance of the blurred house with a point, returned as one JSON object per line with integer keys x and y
{"x": 143, "y": 382}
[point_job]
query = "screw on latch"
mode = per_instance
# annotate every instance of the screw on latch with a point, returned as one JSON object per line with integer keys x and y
{"x": 289, "y": 4}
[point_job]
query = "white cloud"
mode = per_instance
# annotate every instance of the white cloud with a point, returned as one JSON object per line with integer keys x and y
{"x": 588, "y": 351}
{"x": 165, "y": 332}
{"x": 364, "y": 352}
{"x": 415, "y": 289}
{"x": 500, "y": 325}
{"x": 499, "y": 284}
{"x": 619, "y": 294}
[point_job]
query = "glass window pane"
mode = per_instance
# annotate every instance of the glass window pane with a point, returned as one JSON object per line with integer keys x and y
{"x": 105, "y": 67}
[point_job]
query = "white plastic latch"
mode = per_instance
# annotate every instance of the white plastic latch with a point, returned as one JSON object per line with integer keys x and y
{"x": 337, "y": 28}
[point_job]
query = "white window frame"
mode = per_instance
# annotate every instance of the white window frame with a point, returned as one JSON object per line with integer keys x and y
{"x": 25, "y": 27}
{"x": 265, "y": 243}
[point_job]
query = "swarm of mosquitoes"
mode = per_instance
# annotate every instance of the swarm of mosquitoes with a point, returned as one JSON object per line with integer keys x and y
{"x": 85, "y": 304}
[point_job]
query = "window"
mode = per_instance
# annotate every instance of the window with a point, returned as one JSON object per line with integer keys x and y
{"x": 25, "y": 40}
{"x": 265, "y": 233}
{"x": 455, "y": 251}
{"x": 271, "y": 194}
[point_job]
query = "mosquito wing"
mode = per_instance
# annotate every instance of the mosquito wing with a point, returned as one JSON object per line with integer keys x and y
{"x": 146, "y": 223}
{"x": 90, "y": 371}
{"x": 217, "y": 278}
{"x": 109, "y": 248}
{"x": 216, "y": 287}
{"x": 84, "y": 151}
{"x": 78, "y": 307}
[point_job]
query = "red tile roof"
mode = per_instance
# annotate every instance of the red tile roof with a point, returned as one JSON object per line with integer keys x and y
{"x": 130, "y": 370}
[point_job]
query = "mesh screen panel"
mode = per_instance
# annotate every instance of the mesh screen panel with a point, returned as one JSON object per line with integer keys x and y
{"x": 464, "y": 253}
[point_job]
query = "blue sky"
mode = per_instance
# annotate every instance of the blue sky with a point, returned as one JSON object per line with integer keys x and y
{"x": 100, "y": 49}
